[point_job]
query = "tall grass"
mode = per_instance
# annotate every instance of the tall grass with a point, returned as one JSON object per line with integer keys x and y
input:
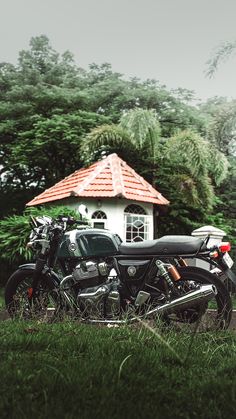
{"x": 69, "y": 370}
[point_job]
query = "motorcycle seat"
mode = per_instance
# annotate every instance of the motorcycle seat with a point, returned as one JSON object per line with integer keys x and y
{"x": 166, "y": 245}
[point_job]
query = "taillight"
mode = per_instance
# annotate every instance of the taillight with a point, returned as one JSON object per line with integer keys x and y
{"x": 225, "y": 247}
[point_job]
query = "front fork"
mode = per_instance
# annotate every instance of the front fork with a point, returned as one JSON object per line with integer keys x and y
{"x": 39, "y": 266}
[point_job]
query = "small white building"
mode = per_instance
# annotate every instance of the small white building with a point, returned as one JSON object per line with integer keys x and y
{"x": 117, "y": 198}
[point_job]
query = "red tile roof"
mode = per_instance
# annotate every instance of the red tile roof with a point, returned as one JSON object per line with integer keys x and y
{"x": 110, "y": 177}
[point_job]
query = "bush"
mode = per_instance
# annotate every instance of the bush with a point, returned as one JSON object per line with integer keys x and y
{"x": 14, "y": 234}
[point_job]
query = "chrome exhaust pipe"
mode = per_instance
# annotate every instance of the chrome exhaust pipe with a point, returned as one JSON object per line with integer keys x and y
{"x": 95, "y": 295}
{"x": 204, "y": 294}
{"x": 193, "y": 298}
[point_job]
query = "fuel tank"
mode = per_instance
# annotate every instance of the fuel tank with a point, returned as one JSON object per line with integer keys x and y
{"x": 88, "y": 243}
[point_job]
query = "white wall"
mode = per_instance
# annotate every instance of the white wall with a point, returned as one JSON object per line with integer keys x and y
{"x": 114, "y": 209}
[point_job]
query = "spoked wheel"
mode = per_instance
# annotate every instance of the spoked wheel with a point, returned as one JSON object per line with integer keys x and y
{"x": 18, "y": 296}
{"x": 210, "y": 315}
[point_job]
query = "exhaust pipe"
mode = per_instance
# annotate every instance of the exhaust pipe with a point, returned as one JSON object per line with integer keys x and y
{"x": 204, "y": 294}
{"x": 94, "y": 295}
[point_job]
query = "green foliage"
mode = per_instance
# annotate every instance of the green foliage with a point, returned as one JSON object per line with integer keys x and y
{"x": 56, "y": 140}
{"x": 196, "y": 165}
{"x": 138, "y": 130}
{"x": 106, "y": 135}
{"x": 15, "y": 231}
{"x": 143, "y": 128}
{"x": 182, "y": 166}
{"x": 222, "y": 124}
{"x": 53, "y": 111}
{"x": 189, "y": 149}
{"x": 218, "y": 165}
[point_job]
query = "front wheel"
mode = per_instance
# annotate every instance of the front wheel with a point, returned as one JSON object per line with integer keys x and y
{"x": 213, "y": 315}
{"x": 18, "y": 295}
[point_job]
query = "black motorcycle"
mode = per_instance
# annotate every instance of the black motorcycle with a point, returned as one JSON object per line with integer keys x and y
{"x": 89, "y": 273}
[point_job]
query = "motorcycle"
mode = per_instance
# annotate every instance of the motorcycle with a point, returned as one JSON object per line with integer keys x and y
{"x": 91, "y": 274}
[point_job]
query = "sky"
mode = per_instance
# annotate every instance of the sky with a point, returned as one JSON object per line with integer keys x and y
{"x": 166, "y": 40}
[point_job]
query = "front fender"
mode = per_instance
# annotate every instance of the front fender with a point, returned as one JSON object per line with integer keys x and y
{"x": 30, "y": 266}
{"x": 49, "y": 274}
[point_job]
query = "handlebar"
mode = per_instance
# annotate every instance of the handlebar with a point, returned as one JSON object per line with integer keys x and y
{"x": 71, "y": 221}
{"x": 80, "y": 222}
{"x": 62, "y": 221}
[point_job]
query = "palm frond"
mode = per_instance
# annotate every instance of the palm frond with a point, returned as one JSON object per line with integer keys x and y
{"x": 190, "y": 149}
{"x": 142, "y": 125}
{"x": 223, "y": 52}
{"x": 218, "y": 165}
{"x": 104, "y": 135}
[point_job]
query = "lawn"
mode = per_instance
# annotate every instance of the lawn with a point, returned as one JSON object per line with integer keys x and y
{"x": 68, "y": 370}
{"x": 2, "y": 302}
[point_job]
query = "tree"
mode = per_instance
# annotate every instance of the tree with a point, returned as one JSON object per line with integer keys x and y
{"x": 56, "y": 139}
{"x": 184, "y": 168}
{"x": 48, "y": 104}
{"x": 42, "y": 117}
{"x": 138, "y": 130}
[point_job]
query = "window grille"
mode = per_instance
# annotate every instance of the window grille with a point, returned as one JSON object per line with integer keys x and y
{"x": 137, "y": 224}
{"x": 99, "y": 215}
{"x": 135, "y": 209}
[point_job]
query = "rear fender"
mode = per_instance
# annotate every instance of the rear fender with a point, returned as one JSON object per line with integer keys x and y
{"x": 231, "y": 275}
{"x": 49, "y": 274}
{"x": 227, "y": 271}
{"x": 220, "y": 265}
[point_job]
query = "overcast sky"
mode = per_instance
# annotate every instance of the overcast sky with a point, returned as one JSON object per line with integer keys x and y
{"x": 168, "y": 40}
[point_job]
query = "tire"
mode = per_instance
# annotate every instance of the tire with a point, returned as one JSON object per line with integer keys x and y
{"x": 17, "y": 300}
{"x": 214, "y": 315}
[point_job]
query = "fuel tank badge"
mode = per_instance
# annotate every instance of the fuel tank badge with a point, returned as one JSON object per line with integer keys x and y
{"x": 72, "y": 247}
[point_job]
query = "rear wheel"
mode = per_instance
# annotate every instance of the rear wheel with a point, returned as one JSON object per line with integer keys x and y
{"x": 18, "y": 296}
{"x": 212, "y": 315}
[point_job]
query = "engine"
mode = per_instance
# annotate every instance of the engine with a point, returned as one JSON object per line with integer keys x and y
{"x": 98, "y": 289}
{"x": 95, "y": 289}
{"x": 89, "y": 273}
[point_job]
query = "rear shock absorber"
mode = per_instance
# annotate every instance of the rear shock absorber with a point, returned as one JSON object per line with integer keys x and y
{"x": 169, "y": 273}
{"x": 164, "y": 273}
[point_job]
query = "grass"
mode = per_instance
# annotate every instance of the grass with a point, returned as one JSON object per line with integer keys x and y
{"x": 68, "y": 370}
{"x": 2, "y": 301}
{"x": 233, "y": 297}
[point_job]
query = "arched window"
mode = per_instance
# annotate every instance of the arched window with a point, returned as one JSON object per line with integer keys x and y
{"x": 137, "y": 223}
{"x": 99, "y": 219}
{"x": 135, "y": 209}
{"x": 99, "y": 215}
